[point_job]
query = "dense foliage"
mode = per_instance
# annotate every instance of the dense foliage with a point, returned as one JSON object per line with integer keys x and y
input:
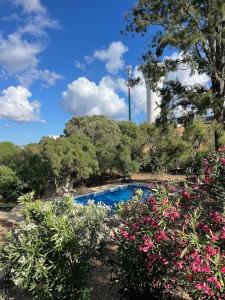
{"x": 51, "y": 252}
{"x": 10, "y": 186}
{"x": 175, "y": 238}
{"x": 195, "y": 32}
{"x": 96, "y": 148}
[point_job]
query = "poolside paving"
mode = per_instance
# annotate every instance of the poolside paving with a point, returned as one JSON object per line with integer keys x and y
{"x": 137, "y": 178}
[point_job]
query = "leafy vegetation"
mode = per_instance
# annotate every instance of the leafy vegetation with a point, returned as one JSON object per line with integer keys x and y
{"x": 95, "y": 148}
{"x": 9, "y": 182}
{"x": 50, "y": 254}
{"x": 195, "y": 30}
{"x": 175, "y": 238}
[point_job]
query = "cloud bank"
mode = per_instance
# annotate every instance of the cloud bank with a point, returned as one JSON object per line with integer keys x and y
{"x": 15, "y": 105}
{"x": 84, "y": 97}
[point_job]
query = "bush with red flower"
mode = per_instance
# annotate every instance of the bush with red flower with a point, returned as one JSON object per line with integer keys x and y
{"x": 176, "y": 238}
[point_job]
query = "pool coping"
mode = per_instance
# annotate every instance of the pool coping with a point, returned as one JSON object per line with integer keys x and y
{"x": 111, "y": 189}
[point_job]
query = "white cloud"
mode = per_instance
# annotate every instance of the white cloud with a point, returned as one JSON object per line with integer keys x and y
{"x": 80, "y": 65}
{"x": 15, "y": 105}
{"x": 89, "y": 59}
{"x": 84, "y": 97}
{"x": 37, "y": 25}
{"x": 17, "y": 55}
{"x": 20, "y": 59}
{"x": 47, "y": 77}
{"x": 20, "y": 51}
{"x": 183, "y": 74}
{"x": 30, "y": 6}
{"x": 113, "y": 56}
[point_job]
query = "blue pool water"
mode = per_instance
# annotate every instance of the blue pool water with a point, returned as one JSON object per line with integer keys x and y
{"x": 113, "y": 196}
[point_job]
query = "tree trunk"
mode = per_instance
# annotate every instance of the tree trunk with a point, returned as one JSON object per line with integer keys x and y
{"x": 217, "y": 134}
{"x": 218, "y": 94}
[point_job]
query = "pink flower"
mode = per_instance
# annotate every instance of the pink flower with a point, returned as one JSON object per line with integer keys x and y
{"x": 147, "y": 244}
{"x": 214, "y": 238}
{"x": 222, "y": 160}
{"x": 164, "y": 261}
{"x": 179, "y": 265}
{"x": 205, "y": 269}
{"x": 151, "y": 260}
{"x": 135, "y": 226}
{"x": 215, "y": 281}
{"x": 204, "y": 227}
{"x": 211, "y": 279}
{"x": 222, "y": 236}
{"x": 165, "y": 201}
{"x": 171, "y": 213}
{"x": 205, "y": 288}
{"x": 195, "y": 254}
{"x": 152, "y": 201}
{"x": 221, "y": 149}
{"x": 207, "y": 179}
{"x": 196, "y": 266}
{"x": 189, "y": 278}
{"x": 161, "y": 236}
{"x": 223, "y": 270}
{"x": 132, "y": 238}
{"x": 186, "y": 195}
{"x": 217, "y": 217}
{"x": 149, "y": 220}
{"x": 211, "y": 250}
{"x": 172, "y": 189}
{"x": 124, "y": 233}
{"x": 207, "y": 171}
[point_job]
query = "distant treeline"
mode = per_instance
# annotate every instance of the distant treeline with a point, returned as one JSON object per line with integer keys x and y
{"x": 96, "y": 148}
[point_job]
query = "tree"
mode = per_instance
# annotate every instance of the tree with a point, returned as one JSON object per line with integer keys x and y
{"x": 103, "y": 132}
{"x": 71, "y": 159}
{"x": 9, "y": 154}
{"x": 132, "y": 137}
{"x": 197, "y": 30}
{"x": 199, "y": 134}
{"x": 33, "y": 170}
{"x": 83, "y": 163}
{"x": 9, "y": 183}
{"x": 124, "y": 162}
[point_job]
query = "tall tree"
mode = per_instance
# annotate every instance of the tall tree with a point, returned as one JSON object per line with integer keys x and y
{"x": 103, "y": 132}
{"x": 196, "y": 28}
{"x": 9, "y": 154}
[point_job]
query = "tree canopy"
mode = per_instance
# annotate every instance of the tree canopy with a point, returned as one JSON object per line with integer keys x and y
{"x": 97, "y": 148}
{"x": 195, "y": 29}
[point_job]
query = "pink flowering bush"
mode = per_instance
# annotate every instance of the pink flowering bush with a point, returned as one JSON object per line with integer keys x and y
{"x": 175, "y": 238}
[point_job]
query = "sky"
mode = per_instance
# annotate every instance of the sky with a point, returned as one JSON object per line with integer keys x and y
{"x": 60, "y": 59}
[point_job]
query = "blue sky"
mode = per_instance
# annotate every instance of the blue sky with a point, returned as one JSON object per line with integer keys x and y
{"x": 60, "y": 59}
{"x": 71, "y": 56}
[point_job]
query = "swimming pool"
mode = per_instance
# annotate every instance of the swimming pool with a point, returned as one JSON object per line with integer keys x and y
{"x": 114, "y": 195}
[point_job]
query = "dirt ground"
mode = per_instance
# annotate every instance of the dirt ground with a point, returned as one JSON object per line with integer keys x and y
{"x": 149, "y": 177}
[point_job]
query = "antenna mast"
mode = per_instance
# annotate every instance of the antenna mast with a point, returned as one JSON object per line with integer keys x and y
{"x": 128, "y": 69}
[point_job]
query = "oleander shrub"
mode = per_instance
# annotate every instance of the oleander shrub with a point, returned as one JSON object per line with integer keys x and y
{"x": 174, "y": 239}
{"x": 50, "y": 254}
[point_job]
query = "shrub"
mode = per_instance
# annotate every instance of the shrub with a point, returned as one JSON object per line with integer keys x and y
{"x": 51, "y": 253}
{"x": 175, "y": 238}
{"x": 9, "y": 183}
